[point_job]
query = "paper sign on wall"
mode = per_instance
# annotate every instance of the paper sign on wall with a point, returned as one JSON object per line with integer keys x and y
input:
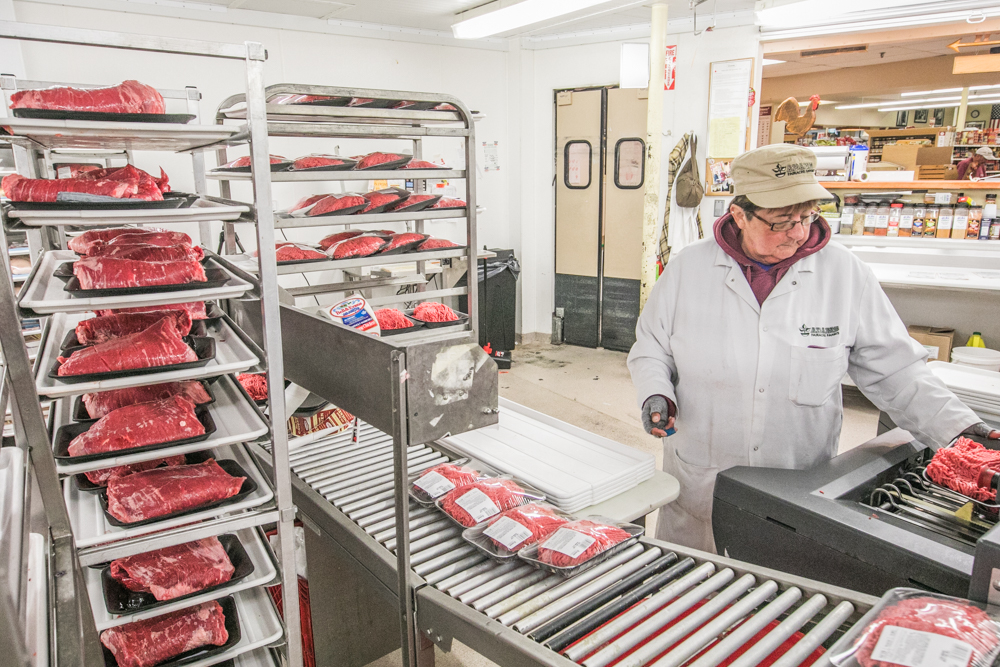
{"x": 491, "y": 156}
{"x": 764, "y": 126}
{"x": 670, "y": 68}
{"x": 727, "y": 107}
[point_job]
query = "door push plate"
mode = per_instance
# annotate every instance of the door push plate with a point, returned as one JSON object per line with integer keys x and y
{"x": 564, "y": 98}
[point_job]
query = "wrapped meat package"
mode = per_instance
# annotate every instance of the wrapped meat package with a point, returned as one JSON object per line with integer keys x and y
{"x": 959, "y": 468}
{"x": 244, "y": 162}
{"x": 101, "y": 477}
{"x": 577, "y": 542}
{"x": 154, "y": 640}
{"x": 334, "y": 239}
{"x": 403, "y": 242}
{"x": 383, "y": 198}
{"x": 286, "y": 251}
{"x": 429, "y": 485}
{"x": 375, "y": 159}
{"x": 913, "y": 627}
{"x": 138, "y": 425}
{"x": 104, "y": 402}
{"x": 359, "y": 246}
{"x": 422, "y": 164}
{"x": 432, "y": 311}
{"x": 177, "y": 570}
{"x": 305, "y": 202}
{"x": 412, "y": 201}
{"x": 255, "y": 384}
{"x": 103, "y": 328}
{"x": 116, "y": 273}
{"x": 127, "y": 97}
{"x": 196, "y": 309}
{"x": 82, "y": 244}
{"x": 331, "y": 203}
{"x": 450, "y": 203}
{"x": 317, "y": 161}
{"x": 159, "y": 345}
{"x": 436, "y": 244}
{"x": 476, "y": 502}
{"x": 521, "y": 527}
{"x": 162, "y": 491}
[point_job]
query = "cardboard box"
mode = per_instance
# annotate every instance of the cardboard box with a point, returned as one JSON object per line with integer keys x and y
{"x": 937, "y": 172}
{"x": 937, "y": 340}
{"x": 910, "y": 157}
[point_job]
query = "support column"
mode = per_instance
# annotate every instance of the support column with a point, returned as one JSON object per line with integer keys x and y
{"x": 963, "y": 108}
{"x": 654, "y": 140}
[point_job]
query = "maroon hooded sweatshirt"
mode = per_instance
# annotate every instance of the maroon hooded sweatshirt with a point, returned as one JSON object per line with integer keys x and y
{"x": 762, "y": 278}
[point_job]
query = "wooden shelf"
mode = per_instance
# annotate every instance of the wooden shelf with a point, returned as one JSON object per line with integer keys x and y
{"x": 911, "y": 185}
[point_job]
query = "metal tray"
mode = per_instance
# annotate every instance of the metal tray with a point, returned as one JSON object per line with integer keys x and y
{"x": 170, "y": 200}
{"x": 230, "y": 466}
{"x": 118, "y": 599}
{"x": 71, "y": 342}
{"x": 195, "y": 655}
{"x": 66, "y": 433}
{"x": 203, "y": 346}
{"x": 196, "y": 210}
{"x": 66, "y": 114}
{"x": 216, "y": 278}
{"x": 462, "y": 319}
{"x": 291, "y": 262}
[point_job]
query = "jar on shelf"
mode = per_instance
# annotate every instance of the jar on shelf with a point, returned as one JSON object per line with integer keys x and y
{"x": 895, "y": 218}
{"x": 945, "y": 221}
{"x": 882, "y": 219}
{"x": 919, "y": 218}
{"x": 960, "y": 223}
{"x": 860, "y": 214}
{"x": 975, "y": 222}
{"x": 906, "y": 220}
{"x": 870, "y": 214}
{"x": 931, "y": 221}
{"x": 847, "y": 214}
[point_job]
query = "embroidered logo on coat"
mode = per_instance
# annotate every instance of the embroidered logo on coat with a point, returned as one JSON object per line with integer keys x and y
{"x": 821, "y": 332}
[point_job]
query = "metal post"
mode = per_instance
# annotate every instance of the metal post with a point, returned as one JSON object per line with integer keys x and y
{"x": 271, "y": 325}
{"x": 471, "y": 262}
{"x": 198, "y": 166}
{"x": 654, "y": 141}
{"x": 400, "y": 440}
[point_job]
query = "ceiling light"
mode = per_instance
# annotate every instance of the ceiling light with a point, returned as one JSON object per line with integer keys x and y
{"x": 871, "y": 105}
{"x": 879, "y": 18}
{"x": 517, "y": 16}
{"x": 896, "y": 107}
{"x": 771, "y": 61}
{"x": 822, "y": 102}
{"x": 932, "y": 92}
{"x": 791, "y": 13}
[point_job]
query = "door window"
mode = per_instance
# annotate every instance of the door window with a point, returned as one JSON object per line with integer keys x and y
{"x": 630, "y": 163}
{"x": 577, "y": 165}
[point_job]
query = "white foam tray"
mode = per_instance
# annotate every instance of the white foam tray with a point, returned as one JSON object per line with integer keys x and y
{"x": 236, "y": 420}
{"x": 90, "y": 526}
{"x": 968, "y": 380}
{"x": 264, "y": 572}
{"x": 201, "y": 210}
{"x": 232, "y": 355}
{"x": 11, "y": 513}
{"x": 257, "y": 658}
{"x": 569, "y": 464}
{"x": 45, "y": 294}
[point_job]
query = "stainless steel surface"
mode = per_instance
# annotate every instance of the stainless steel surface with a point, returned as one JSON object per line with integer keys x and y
{"x": 288, "y": 222}
{"x": 349, "y": 175}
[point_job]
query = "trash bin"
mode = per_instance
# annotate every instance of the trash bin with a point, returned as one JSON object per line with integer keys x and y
{"x": 497, "y": 304}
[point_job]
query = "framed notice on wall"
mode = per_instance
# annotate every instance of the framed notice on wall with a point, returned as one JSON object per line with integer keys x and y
{"x": 729, "y": 107}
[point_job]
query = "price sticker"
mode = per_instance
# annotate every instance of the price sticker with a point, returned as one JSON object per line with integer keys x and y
{"x": 478, "y": 505}
{"x": 434, "y": 484}
{"x": 915, "y": 648}
{"x": 508, "y": 532}
{"x": 569, "y": 542}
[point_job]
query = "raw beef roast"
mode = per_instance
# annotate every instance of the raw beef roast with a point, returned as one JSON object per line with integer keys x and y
{"x": 375, "y": 159}
{"x": 359, "y": 246}
{"x": 333, "y": 239}
{"x": 161, "y": 491}
{"x": 538, "y": 519}
{"x": 432, "y": 311}
{"x": 101, "y": 404}
{"x": 101, "y": 477}
{"x": 102, "y": 329}
{"x": 19, "y": 188}
{"x": 604, "y": 537}
{"x": 244, "y": 162}
{"x": 958, "y": 468}
{"x": 196, "y": 309}
{"x": 305, "y": 202}
{"x": 390, "y": 319}
{"x": 147, "y": 187}
{"x": 292, "y": 252}
{"x": 331, "y": 203}
{"x": 139, "y": 425}
{"x": 486, "y": 498}
{"x": 113, "y": 272}
{"x": 177, "y": 570}
{"x": 403, "y": 242}
{"x": 255, "y": 384}
{"x": 144, "y": 252}
{"x": 949, "y": 618}
{"x": 422, "y": 164}
{"x": 434, "y": 244}
{"x": 127, "y": 97}
{"x": 159, "y": 345}
{"x": 151, "y": 238}
{"x": 154, "y": 640}
{"x": 450, "y": 203}
{"x": 314, "y": 161}
{"x": 444, "y": 106}
{"x": 82, "y": 244}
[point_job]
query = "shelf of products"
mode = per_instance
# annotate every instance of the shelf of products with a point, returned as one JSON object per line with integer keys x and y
{"x": 917, "y": 186}
{"x": 879, "y": 138}
{"x": 87, "y": 527}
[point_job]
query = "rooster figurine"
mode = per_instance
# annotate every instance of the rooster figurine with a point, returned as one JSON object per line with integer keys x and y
{"x": 797, "y": 123}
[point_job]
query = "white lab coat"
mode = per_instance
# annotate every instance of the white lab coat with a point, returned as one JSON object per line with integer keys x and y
{"x": 759, "y": 385}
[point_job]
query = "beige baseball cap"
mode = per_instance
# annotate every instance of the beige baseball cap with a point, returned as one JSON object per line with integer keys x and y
{"x": 777, "y": 176}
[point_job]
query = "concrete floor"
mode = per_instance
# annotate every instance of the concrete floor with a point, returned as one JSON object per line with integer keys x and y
{"x": 593, "y": 390}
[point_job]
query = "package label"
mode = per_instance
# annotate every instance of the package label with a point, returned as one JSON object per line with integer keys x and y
{"x": 569, "y": 542}
{"x": 933, "y": 352}
{"x": 434, "y": 484}
{"x": 478, "y": 505}
{"x": 915, "y": 648}
{"x": 507, "y": 532}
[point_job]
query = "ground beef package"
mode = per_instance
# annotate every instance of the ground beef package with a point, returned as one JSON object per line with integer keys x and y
{"x": 436, "y": 244}
{"x": 913, "y": 627}
{"x": 380, "y": 200}
{"x": 244, "y": 163}
{"x": 382, "y": 160}
{"x": 960, "y": 466}
{"x": 432, "y": 311}
{"x": 423, "y": 164}
{"x": 476, "y": 502}
{"x": 327, "y": 162}
{"x": 450, "y": 203}
{"x": 333, "y": 239}
{"x": 578, "y": 542}
{"x": 504, "y": 535}
{"x": 429, "y": 485}
{"x": 358, "y": 246}
{"x": 391, "y": 319}
{"x": 337, "y": 205}
{"x": 404, "y": 242}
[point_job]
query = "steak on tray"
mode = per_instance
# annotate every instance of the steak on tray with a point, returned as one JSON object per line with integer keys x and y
{"x": 159, "y": 345}
{"x": 114, "y": 272}
{"x": 145, "y": 252}
{"x": 161, "y": 491}
{"x": 149, "y": 238}
{"x": 196, "y": 309}
{"x": 147, "y": 187}
{"x": 154, "y": 640}
{"x": 176, "y": 570}
{"x": 101, "y": 477}
{"x": 139, "y": 425}
{"x": 104, "y": 402}
{"x": 104, "y": 328}
{"x": 19, "y": 188}
{"x": 82, "y": 244}
{"x": 127, "y": 97}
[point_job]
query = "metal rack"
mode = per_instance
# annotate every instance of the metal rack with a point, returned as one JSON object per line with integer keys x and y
{"x": 395, "y": 383}
{"x": 74, "y": 639}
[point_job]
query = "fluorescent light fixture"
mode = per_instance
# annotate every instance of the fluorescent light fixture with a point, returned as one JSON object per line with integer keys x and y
{"x": 927, "y": 106}
{"x": 879, "y": 18}
{"x": 973, "y": 99}
{"x": 771, "y": 61}
{"x": 932, "y": 92}
{"x": 821, "y": 103}
{"x": 789, "y": 14}
{"x": 516, "y": 16}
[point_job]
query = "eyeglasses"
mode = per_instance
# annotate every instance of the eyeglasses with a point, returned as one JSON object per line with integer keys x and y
{"x": 787, "y": 225}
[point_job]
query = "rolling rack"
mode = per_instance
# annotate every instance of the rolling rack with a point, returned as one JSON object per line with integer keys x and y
{"x": 78, "y": 535}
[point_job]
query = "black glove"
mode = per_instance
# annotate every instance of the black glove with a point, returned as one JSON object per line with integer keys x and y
{"x": 981, "y": 430}
{"x": 665, "y": 412}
